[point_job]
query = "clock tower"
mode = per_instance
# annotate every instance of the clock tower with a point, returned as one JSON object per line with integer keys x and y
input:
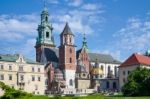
{"x": 45, "y": 37}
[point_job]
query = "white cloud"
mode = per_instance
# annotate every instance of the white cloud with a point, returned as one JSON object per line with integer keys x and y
{"x": 53, "y": 1}
{"x": 90, "y": 6}
{"x": 17, "y": 26}
{"x": 75, "y": 3}
{"x": 75, "y": 22}
{"x": 135, "y": 36}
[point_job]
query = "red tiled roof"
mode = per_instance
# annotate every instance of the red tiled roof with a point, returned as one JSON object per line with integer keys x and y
{"x": 136, "y": 59}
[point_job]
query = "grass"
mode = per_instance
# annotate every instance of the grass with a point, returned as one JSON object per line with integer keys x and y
{"x": 88, "y": 97}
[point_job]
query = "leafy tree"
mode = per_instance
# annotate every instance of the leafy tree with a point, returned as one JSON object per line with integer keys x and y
{"x": 138, "y": 83}
{"x": 11, "y": 93}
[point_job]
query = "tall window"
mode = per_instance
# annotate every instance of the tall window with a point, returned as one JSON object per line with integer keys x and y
{"x": 32, "y": 69}
{"x": 124, "y": 80}
{"x": 46, "y": 18}
{"x": 10, "y": 77}
{"x": 1, "y": 66}
{"x": 71, "y": 82}
{"x": 21, "y": 77}
{"x": 10, "y": 67}
{"x": 128, "y": 72}
{"x": 20, "y": 68}
{"x": 65, "y": 40}
{"x": 115, "y": 69}
{"x": 47, "y": 34}
{"x": 39, "y": 70}
{"x": 1, "y": 77}
{"x": 70, "y": 40}
{"x": 107, "y": 84}
{"x": 114, "y": 85}
{"x": 39, "y": 78}
{"x": 70, "y": 60}
{"x": 102, "y": 67}
{"x": 124, "y": 73}
{"x": 108, "y": 69}
{"x": 33, "y": 78}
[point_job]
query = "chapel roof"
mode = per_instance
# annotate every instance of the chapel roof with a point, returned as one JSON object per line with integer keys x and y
{"x": 136, "y": 59}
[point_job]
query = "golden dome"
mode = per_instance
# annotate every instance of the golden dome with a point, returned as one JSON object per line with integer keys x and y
{"x": 97, "y": 71}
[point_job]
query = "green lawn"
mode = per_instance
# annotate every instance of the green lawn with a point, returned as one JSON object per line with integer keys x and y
{"x": 88, "y": 97}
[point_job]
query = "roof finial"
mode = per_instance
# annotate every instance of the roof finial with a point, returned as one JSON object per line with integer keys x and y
{"x": 45, "y": 4}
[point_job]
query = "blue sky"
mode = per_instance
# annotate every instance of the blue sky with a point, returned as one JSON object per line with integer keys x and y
{"x": 116, "y": 27}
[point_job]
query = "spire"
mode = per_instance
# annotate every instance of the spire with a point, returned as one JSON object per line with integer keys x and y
{"x": 67, "y": 30}
{"x": 45, "y": 29}
{"x": 45, "y": 8}
{"x": 84, "y": 43}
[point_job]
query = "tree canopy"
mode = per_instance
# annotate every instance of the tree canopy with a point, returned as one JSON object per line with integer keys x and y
{"x": 138, "y": 83}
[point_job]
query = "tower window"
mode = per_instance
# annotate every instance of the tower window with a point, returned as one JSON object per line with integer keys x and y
{"x": 70, "y": 60}
{"x": 71, "y": 82}
{"x": 47, "y": 34}
{"x": 65, "y": 39}
{"x": 46, "y": 18}
{"x": 70, "y": 39}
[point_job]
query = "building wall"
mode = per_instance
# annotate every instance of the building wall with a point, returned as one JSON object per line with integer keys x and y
{"x": 1, "y": 92}
{"x": 83, "y": 56}
{"x": 83, "y": 83}
{"x": 125, "y": 71}
{"x": 105, "y": 68}
{"x": 37, "y": 87}
{"x": 70, "y": 75}
{"x": 111, "y": 84}
{"x": 123, "y": 74}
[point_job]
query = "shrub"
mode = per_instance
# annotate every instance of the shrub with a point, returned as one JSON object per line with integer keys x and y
{"x": 11, "y": 93}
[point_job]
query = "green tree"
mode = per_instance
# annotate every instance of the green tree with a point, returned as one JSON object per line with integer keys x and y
{"x": 138, "y": 83}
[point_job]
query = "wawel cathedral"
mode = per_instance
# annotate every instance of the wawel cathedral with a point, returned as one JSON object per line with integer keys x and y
{"x": 71, "y": 71}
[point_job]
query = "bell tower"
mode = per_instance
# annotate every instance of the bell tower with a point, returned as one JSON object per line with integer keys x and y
{"x": 45, "y": 36}
{"x": 67, "y": 56}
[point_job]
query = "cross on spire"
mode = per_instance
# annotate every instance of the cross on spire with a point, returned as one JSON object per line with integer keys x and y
{"x": 45, "y": 5}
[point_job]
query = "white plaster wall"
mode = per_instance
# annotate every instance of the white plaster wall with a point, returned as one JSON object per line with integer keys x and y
{"x": 70, "y": 74}
{"x": 105, "y": 68}
{"x": 29, "y": 84}
{"x": 122, "y": 76}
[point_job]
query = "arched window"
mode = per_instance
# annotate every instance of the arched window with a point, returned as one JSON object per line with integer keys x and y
{"x": 47, "y": 34}
{"x": 46, "y": 18}
{"x": 65, "y": 40}
{"x": 70, "y": 40}
{"x": 71, "y": 82}
{"x": 107, "y": 84}
{"x": 108, "y": 69}
{"x": 115, "y": 70}
{"x": 102, "y": 67}
{"x": 70, "y": 60}
{"x": 114, "y": 85}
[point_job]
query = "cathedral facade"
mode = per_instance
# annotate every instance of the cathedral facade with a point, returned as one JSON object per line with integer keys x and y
{"x": 71, "y": 71}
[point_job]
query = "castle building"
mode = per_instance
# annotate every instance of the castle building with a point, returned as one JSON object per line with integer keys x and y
{"x": 69, "y": 71}
{"x": 67, "y": 56}
{"x": 130, "y": 64}
{"x": 23, "y": 74}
